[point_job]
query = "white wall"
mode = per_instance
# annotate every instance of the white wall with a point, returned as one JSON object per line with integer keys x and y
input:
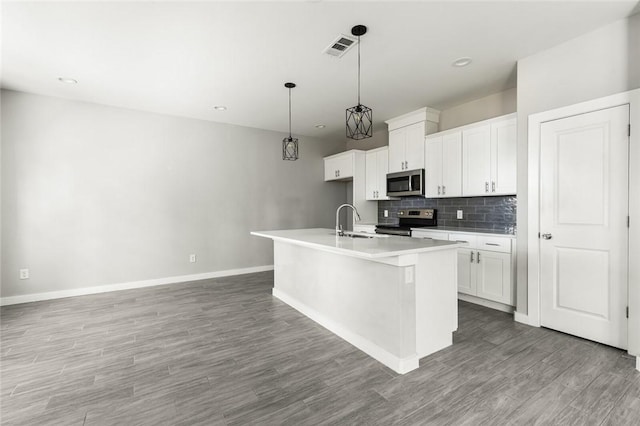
{"x": 491, "y": 106}
{"x": 379, "y": 138}
{"x": 597, "y": 64}
{"x": 95, "y": 195}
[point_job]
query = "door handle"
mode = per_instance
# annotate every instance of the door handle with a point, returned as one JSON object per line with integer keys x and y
{"x": 471, "y": 257}
{"x": 438, "y": 189}
{"x": 486, "y": 187}
{"x": 547, "y": 236}
{"x": 493, "y": 187}
{"x": 478, "y": 257}
{"x": 443, "y": 190}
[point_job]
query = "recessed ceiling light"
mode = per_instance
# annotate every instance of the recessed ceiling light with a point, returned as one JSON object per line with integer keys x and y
{"x": 461, "y": 62}
{"x": 320, "y": 126}
{"x": 67, "y": 80}
{"x": 220, "y": 108}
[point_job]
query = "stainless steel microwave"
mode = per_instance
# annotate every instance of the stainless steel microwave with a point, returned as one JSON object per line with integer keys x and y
{"x": 407, "y": 183}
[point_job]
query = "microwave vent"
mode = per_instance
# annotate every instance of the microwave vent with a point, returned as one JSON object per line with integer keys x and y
{"x": 340, "y": 45}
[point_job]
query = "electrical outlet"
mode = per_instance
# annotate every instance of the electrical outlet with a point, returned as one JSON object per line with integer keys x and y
{"x": 24, "y": 274}
{"x": 386, "y": 213}
{"x": 192, "y": 258}
{"x": 459, "y": 214}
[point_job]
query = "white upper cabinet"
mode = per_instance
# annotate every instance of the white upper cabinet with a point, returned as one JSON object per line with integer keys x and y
{"x": 406, "y": 148}
{"x": 503, "y": 156}
{"x": 433, "y": 167}
{"x": 443, "y": 165}
{"x": 489, "y": 158}
{"x": 377, "y": 164}
{"x": 406, "y": 138}
{"x": 476, "y": 160}
{"x": 339, "y": 166}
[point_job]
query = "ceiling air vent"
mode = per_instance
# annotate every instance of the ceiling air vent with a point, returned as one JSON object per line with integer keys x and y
{"x": 340, "y": 46}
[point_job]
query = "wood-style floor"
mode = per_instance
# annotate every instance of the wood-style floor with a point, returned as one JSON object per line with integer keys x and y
{"x": 224, "y": 351}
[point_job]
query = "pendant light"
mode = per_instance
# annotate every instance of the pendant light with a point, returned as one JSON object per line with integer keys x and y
{"x": 290, "y": 145}
{"x": 359, "y": 117}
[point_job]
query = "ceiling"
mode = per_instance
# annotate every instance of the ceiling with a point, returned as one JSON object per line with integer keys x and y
{"x": 183, "y": 58}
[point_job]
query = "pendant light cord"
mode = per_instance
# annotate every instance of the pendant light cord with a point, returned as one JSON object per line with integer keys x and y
{"x": 289, "y": 113}
{"x": 358, "y": 70}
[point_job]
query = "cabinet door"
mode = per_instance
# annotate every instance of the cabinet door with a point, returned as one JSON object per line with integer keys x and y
{"x": 339, "y": 167}
{"x": 466, "y": 271}
{"x": 414, "y": 150}
{"x": 397, "y": 142}
{"x": 503, "y": 157}
{"x": 345, "y": 166}
{"x": 494, "y": 276}
{"x": 383, "y": 169}
{"x": 433, "y": 167}
{"x": 452, "y": 165}
{"x": 331, "y": 166}
{"x": 476, "y": 161}
{"x": 371, "y": 175}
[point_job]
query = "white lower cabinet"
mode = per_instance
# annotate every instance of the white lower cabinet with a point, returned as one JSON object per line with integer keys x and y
{"x": 493, "y": 276}
{"x": 486, "y": 266}
{"x": 466, "y": 270}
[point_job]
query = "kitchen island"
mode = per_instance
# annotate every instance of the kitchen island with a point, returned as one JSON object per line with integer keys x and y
{"x": 394, "y": 298}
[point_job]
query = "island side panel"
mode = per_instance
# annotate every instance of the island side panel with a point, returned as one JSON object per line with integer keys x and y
{"x": 436, "y": 300}
{"x": 367, "y": 303}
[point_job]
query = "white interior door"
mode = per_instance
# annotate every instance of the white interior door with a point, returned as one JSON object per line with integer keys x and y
{"x": 583, "y": 222}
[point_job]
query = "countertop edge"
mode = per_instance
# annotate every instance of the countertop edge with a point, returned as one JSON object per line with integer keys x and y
{"x": 448, "y": 246}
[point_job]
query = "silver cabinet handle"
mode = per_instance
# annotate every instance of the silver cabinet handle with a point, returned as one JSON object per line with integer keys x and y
{"x": 486, "y": 187}
{"x": 493, "y": 186}
{"x": 438, "y": 189}
{"x": 471, "y": 257}
{"x": 443, "y": 190}
{"x": 478, "y": 257}
{"x": 547, "y": 236}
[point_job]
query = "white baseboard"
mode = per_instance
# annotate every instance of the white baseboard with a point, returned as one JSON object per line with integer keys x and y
{"x": 399, "y": 365}
{"x": 486, "y": 303}
{"x": 35, "y": 297}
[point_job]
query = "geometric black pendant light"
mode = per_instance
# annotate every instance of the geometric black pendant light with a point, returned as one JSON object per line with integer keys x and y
{"x": 290, "y": 145}
{"x": 359, "y": 117}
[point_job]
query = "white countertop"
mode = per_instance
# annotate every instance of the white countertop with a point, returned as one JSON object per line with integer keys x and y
{"x": 371, "y": 248}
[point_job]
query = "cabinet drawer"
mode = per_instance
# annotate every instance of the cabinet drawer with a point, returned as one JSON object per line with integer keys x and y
{"x": 499, "y": 244}
{"x": 465, "y": 238}
{"x": 432, "y": 235}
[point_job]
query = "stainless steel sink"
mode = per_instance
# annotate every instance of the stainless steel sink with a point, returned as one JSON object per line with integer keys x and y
{"x": 351, "y": 234}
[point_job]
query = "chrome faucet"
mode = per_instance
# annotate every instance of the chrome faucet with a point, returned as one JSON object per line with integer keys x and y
{"x": 339, "y": 231}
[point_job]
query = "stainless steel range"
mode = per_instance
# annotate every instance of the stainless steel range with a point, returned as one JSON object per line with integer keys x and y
{"x": 410, "y": 218}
